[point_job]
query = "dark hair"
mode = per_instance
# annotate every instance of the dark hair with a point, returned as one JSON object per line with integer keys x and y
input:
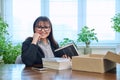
{"x": 50, "y": 37}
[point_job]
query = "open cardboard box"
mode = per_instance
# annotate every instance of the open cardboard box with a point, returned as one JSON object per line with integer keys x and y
{"x": 95, "y": 62}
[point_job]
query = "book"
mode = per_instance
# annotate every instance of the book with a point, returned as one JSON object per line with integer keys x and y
{"x": 57, "y": 63}
{"x": 69, "y": 49}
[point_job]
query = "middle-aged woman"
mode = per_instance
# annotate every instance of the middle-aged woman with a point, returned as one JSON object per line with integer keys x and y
{"x": 41, "y": 45}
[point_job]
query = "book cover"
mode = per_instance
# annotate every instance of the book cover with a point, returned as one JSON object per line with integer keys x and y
{"x": 70, "y": 50}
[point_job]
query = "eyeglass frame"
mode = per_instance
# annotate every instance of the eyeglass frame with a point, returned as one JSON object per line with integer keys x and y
{"x": 46, "y": 28}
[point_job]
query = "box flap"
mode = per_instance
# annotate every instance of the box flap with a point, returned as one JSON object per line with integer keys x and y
{"x": 112, "y": 56}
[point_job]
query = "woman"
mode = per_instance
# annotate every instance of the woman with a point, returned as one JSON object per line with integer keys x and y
{"x": 41, "y": 45}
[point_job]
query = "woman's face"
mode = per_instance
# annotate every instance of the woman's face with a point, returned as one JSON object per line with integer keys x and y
{"x": 43, "y": 28}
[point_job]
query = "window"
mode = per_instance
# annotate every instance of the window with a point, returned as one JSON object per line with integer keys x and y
{"x": 67, "y": 16}
{"x": 24, "y": 12}
{"x": 63, "y": 14}
{"x": 98, "y": 16}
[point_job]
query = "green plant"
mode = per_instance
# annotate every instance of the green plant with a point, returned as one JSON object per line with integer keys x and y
{"x": 116, "y": 22}
{"x": 87, "y": 35}
{"x": 65, "y": 42}
{"x": 7, "y": 49}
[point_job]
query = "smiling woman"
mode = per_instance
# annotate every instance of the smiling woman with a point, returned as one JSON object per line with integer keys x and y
{"x": 41, "y": 45}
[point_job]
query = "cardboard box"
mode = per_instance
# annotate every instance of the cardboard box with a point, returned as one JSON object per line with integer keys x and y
{"x": 95, "y": 62}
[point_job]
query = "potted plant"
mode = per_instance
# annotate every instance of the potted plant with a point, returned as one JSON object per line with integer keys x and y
{"x": 116, "y": 27}
{"x": 8, "y": 51}
{"x": 65, "y": 41}
{"x": 87, "y": 35}
{"x": 116, "y": 22}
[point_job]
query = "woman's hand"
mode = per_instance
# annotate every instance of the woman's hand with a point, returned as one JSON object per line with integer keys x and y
{"x": 65, "y": 56}
{"x": 36, "y": 37}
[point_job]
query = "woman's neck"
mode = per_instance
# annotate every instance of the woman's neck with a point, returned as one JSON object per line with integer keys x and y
{"x": 45, "y": 41}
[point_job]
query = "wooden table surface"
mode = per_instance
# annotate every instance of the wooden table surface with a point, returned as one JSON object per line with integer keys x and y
{"x": 19, "y": 72}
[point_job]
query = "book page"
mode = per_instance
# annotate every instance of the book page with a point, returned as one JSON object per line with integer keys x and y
{"x": 56, "y": 59}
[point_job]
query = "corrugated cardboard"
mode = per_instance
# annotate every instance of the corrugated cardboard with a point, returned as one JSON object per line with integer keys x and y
{"x": 113, "y": 57}
{"x": 95, "y": 62}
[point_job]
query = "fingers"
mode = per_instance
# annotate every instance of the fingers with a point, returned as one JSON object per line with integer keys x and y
{"x": 36, "y": 37}
{"x": 39, "y": 38}
{"x": 65, "y": 56}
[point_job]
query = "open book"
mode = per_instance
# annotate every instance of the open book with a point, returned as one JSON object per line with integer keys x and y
{"x": 57, "y": 63}
{"x": 69, "y": 50}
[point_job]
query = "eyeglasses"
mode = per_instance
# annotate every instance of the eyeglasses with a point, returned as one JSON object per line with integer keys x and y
{"x": 46, "y": 28}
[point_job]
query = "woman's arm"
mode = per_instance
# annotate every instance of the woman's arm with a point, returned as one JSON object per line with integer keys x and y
{"x": 29, "y": 52}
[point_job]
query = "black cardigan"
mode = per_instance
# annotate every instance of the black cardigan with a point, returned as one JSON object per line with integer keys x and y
{"x": 32, "y": 54}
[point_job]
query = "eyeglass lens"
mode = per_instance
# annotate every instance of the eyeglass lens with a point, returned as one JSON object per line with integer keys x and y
{"x": 45, "y": 27}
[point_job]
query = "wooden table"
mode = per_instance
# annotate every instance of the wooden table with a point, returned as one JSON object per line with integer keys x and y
{"x": 19, "y": 72}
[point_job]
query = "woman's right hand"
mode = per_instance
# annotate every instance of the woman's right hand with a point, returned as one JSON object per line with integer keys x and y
{"x": 65, "y": 56}
{"x": 36, "y": 38}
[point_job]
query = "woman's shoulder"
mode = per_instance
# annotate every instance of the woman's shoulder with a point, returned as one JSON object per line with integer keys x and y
{"x": 28, "y": 40}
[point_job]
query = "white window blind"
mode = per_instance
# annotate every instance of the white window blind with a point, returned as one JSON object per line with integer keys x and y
{"x": 63, "y": 14}
{"x": 98, "y": 16}
{"x": 24, "y": 12}
{"x": 67, "y": 17}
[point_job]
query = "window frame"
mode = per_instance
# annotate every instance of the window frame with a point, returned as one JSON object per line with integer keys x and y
{"x": 7, "y": 8}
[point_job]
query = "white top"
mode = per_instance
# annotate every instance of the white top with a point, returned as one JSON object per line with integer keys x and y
{"x": 46, "y": 48}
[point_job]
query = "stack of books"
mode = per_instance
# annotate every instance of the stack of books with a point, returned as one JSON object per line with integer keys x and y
{"x": 57, "y": 63}
{"x": 61, "y": 63}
